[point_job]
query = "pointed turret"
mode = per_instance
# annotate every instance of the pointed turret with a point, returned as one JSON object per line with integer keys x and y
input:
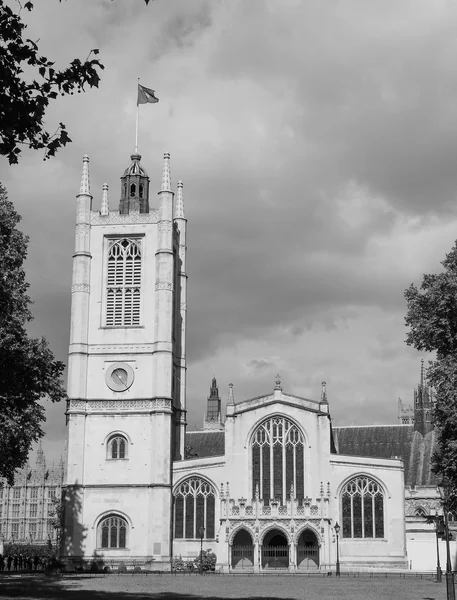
{"x": 179, "y": 206}
{"x": 213, "y": 412}
{"x": 84, "y": 188}
{"x": 104, "y": 208}
{"x": 40, "y": 460}
{"x": 134, "y": 188}
{"x": 166, "y": 177}
{"x": 231, "y": 397}
{"x": 324, "y": 394}
{"x": 423, "y": 405}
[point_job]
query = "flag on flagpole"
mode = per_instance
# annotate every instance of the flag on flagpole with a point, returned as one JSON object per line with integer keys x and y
{"x": 146, "y": 95}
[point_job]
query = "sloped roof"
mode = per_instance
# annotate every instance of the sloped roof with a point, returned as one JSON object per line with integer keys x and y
{"x": 206, "y": 443}
{"x": 388, "y": 441}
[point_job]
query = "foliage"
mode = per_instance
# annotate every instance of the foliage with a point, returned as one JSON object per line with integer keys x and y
{"x": 122, "y": 568}
{"x": 432, "y": 321}
{"x": 30, "y": 81}
{"x": 40, "y": 550}
{"x": 28, "y": 369}
{"x": 206, "y": 561}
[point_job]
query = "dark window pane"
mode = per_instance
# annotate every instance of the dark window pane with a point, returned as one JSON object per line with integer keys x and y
{"x": 357, "y": 515}
{"x": 179, "y": 517}
{"x": 379, "y": 515}
{"x": 114, "y": 449}
{"x": 210, "y": 517}
{"x": 200, "y": 514}
{"x": 265, "y": 491}
{"x": 255, "y": 468}
{"x": 122, "y": 535}
{"x": 113, "y": 534}
{"x": 105, "y": 530}
{"x": 300, "y": 475}
{"x": 368, "y": 515}
{"x": 347, "y": 517}
{"x": 289, "y": 468}
{"x": 277, "y": 472}
{"x": 121, "y": 448}
{"x": 190, "y": 517}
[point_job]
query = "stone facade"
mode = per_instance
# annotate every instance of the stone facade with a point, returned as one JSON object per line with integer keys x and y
{"x": 28, "y": 508}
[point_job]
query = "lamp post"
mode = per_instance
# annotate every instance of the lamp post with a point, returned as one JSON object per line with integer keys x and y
{"x": 337, "y": 531}
{"x": 439, "y": 574}
{"x": 201, "y": 531}
{"x": 444, "y": 490}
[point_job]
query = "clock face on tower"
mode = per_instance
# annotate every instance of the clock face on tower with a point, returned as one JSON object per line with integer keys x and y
{"x": 119, "y": 377}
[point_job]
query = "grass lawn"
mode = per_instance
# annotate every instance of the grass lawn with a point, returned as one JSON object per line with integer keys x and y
{"x": 169, "y": 587}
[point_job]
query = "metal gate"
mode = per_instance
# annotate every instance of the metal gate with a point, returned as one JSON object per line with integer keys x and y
{"x": 308, "y": 557}
{"x": 275, "y": 557}
{"x": 242, "y": 557}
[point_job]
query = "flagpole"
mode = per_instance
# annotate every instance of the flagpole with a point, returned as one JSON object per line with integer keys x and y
{"x": 137, "y": 119}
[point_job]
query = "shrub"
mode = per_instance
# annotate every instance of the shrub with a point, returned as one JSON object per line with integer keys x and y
{"x": 206, "y": 561}
{"x": 137, "y": 569}
{"x": 122, "y": 568}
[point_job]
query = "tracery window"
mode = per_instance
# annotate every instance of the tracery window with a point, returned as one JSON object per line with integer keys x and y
{"x": 362, "y": 509}
{"x": 113, "y": 532}
{"x": 194, "y": 508}
{"x": 277, "y": 460}
{"x": 117, "y": 447}
{"x": 123, "y": 292}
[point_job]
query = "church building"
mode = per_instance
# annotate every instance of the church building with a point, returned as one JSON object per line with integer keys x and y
{"x": 269, "y": 485}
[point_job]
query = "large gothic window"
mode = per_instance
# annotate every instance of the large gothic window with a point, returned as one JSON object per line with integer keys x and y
{"x": 194, "y": 504}
{"x": 277, "y": 460}
{"x": 362, "y": 509}
{"x": 123, "y": 293}
{"x": 113, "y": 532}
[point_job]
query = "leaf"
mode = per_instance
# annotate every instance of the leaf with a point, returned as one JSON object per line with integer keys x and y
{"x": 28, "y": 6}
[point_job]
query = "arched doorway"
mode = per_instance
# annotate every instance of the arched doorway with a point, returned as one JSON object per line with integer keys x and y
{"x": 307, "y": 550}
{"x": 242, "y": 550}
{"x": 275, "y": 550}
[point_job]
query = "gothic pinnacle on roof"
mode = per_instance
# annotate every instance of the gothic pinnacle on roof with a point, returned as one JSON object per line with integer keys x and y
{"x": 278, "y": 382}
{"x": 104, "y": 208}
{"x": 231, "y": 397}
{"x": 179, "y": 206}
{"x": 166, "y": 178}
{"x": 324, "y": 393}
{"x": 84, "y": 188}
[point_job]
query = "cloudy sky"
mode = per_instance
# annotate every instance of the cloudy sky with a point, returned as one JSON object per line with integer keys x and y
{"x": 317, "y": 142}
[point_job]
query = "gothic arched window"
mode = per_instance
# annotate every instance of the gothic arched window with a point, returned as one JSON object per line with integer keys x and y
{"x": 117, "y": 447}
{"x": 123, "y": 283}
{"x": 362, "y": 502}
{"x": 194, "y": 506}
{"x": 277, "y": 460}
{"x": 112, "y": 532}
{"x": 132, "y": 190}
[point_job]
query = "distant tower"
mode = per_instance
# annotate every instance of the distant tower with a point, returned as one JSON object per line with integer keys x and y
{"x": 423, "y": 406}
{"x": 213, "y": 419}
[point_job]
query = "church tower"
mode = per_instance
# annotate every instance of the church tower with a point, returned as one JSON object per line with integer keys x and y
{"x": 423, "y": 406}
{"x": 126, "y": 370}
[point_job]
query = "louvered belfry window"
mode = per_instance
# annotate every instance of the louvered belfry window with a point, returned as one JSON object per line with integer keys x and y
{"x": 123, "y": 295}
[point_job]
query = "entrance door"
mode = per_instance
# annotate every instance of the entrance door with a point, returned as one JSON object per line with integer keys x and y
{"x": 242, "y": 551}
{"x": 307, "y": 551}
{"x": 275, "y": 551}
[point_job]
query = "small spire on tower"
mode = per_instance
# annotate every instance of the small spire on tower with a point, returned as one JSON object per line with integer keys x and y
{"x": 104, "y": 208}
{"x": 166, "y": 178}
{"x": 278, "y": 382}
{"x": 231, "y": 397}
{"x": 422, "y": 372}
{"x": 324, "y": 393}
{"x": 179, "y": 206}
{"x": 84, "y": 188}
